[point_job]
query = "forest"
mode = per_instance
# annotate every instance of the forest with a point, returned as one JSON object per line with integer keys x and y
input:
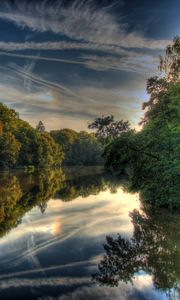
{"x": 149, "y": 159}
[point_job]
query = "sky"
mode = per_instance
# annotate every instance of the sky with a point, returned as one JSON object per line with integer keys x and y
{"x": 67, "y": 62}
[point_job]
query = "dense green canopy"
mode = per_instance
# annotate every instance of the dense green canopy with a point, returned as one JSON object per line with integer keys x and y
{"x": 80, "y": 148}
{"x": 151, "y": 158}
{"x": 22, "y": 145}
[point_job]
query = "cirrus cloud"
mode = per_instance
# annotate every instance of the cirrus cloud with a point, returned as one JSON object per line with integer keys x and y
{"x": 80, "y": 20}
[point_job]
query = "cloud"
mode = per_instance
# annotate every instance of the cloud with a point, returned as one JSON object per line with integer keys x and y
{"x": 80, "y": 20}
{"x": 35, "y": 57}
{"x": 39, "y": 282}
{"x": 58, "y": 45}
{"x": 130, "y": 61}
{"x": 42, "y": 269}
{"x": 60, "y": 106}
{"x": 38, "y": 80}
{"x": 142, "y": 289}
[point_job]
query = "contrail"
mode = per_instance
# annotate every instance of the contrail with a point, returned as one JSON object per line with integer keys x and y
{"x": 42, "y": 81}
{"x": 46, "y": 269}
{"x": 45, "y": 58}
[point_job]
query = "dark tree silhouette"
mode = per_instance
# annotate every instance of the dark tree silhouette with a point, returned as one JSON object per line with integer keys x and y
{"x": 154, "y": 248}
{"x": 107, "y": 127}
{"x": 40, "y": 127}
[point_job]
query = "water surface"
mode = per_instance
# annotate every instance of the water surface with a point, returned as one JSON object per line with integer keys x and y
{"x": 53, "y": 225}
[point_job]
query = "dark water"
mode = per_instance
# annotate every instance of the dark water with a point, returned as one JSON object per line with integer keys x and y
{"x": 53, "y": 226}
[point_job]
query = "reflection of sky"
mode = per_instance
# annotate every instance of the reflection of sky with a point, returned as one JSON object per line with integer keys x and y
{"x": 63, "y": 61}
{"x": 54, "y": 253}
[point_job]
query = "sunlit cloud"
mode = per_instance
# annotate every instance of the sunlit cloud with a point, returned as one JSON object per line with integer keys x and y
{"x": 59, "y": 106}
{"x": 142, "y": 288}
{"x": 129, "y": 62}
{"x": 56, "y": 41}
{"x": 43, "y": 58}
{"x": 51, "y": 281}
{"x": 53, "y": 228}
{"x": 80, "y": 20}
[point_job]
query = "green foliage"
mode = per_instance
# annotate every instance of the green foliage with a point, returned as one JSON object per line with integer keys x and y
{"x": 9, "y": 150}
{"x": 151, "y": 157}
{"x": 40, "y": 127}
{"x": 80, "y": 148}
{"x": 20, "y": 192}
{"x": 21, "y": 145}
{"x": 158, "y": 86}
{"x": 108, "y": 129}
{"x": 8, "y": 117}
{"x": 170, "y": 64}
{"x": 153, "y": 248}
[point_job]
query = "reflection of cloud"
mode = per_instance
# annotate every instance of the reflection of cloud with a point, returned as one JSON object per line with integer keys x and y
{"x": 84, "y": 221}
{"x": 48, "y": 269}
{"x": 122, "y": 292}
{"x": 102, "y": 209}
{"x": 33, "y": 260}
{"x": 39, "y": 282}
{"x": 56, "y": 229}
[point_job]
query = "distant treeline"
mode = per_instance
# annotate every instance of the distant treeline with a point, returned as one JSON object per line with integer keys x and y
{"x": 23, "y": 146}
{"x": 80, "y": 148}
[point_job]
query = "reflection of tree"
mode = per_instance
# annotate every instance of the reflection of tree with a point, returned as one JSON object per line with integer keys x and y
{"x": 10, "y": 193}
{"x": 85, "y": 186}
{"x": 21, "y": 192}
{"x": 154, "y": 248}
{"x": 82, "y": 186}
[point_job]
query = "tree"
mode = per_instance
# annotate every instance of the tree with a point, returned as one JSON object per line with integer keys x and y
{"x": 153, "y": 248}
{"x": 19, "y": 194}
{"x": 1, "y": 127}
{"x": 170, "y": 63}
{"x": 151, "y": 158}
{"x": 169, "y": 66}
{"x": 9, "y": 150}
{"x": 106, "y": 127}
{"x": 80, "y": 148}
{"x": 22, "y": 145}
{"x": 40, "y": 127}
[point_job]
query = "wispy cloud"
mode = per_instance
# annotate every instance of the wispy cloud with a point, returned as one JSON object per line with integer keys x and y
{"x": 44, "y": 58}
{"x": 105, "y": 45}
{"x": 58, "y": 45}
{"x": 39, "y": 282}
{"x": 35, "y": 97}
{"x": 80, "y": 20}
{"x": 130, "y": 61}
{"x": 141, "y": 288}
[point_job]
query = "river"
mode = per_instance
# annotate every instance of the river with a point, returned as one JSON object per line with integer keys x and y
{"x": 78, "y": 234}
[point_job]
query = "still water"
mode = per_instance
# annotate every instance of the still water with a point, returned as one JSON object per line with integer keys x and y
{"x": 77, "y": 234}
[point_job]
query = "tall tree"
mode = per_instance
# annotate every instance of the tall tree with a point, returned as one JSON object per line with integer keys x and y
{"x": 157, "y": 86}
{"x": 40, "y": 127}
{"x": 107, "y": 127}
